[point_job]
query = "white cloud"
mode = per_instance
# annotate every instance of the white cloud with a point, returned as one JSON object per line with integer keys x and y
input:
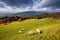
{"x": 49, "y": 9}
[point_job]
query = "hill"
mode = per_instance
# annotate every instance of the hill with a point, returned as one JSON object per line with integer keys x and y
{"x": 27, "y": 15}
{"x": 24, "y": 14}
{"x": 49, "y": 26}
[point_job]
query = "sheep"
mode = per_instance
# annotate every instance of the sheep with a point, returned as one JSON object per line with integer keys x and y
{"x": 20, "y": 32}
{"x": 23, "y": 29}
{"x": 31, "y": 32}
{"x": 38, "y": 31}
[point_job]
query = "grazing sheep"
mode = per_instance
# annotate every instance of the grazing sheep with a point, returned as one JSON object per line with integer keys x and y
{"x": 23, "y": 29}
{"x": 20, "y": 32}
{"x": 31, "y": 32}
{"x": 38, "y": 31}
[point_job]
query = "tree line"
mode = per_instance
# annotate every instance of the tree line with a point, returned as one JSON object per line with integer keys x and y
{"x": 8, "y": 19}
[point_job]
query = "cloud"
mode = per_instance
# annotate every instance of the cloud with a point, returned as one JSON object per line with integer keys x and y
{"x": 39, "y": 5}
{"x": 17, "y": 3}
{"x": 49, "y": 9}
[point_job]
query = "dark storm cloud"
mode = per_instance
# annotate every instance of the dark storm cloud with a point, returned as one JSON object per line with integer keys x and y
{"x": 1, "y": 6}
{"x": 52, "y": 3}
{"x": 18, "y": 2}
{"x": 29, "y": 5}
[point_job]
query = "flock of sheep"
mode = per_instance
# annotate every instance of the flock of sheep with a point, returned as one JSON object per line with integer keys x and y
{"x": 30, "y": 32}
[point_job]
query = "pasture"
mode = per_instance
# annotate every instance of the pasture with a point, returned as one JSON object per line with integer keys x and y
{"x": 49, "y": 26}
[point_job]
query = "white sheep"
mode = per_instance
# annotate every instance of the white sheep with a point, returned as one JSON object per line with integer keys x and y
{"x": 23, "y": 29}
{"x": 31, "y": 32}
{"x": 20, "y": 32}
{"x": 38, "y": 30}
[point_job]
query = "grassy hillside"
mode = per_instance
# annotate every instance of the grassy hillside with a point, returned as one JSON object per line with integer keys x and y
{"x": 49, "y": 26}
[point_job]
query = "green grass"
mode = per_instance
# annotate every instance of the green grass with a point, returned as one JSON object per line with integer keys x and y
{"x": 49, "y": 26}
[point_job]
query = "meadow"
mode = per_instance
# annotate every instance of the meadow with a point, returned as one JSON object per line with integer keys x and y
{"x": 49, "y": 26}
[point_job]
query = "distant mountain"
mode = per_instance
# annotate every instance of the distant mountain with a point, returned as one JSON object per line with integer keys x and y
{"x": 27, "y": 13}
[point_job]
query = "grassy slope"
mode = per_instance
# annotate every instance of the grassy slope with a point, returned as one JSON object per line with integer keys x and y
{"x": 49, "y": 26}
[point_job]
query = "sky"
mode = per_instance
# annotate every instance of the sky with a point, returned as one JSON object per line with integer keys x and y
{"x": 14, "y": 6}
